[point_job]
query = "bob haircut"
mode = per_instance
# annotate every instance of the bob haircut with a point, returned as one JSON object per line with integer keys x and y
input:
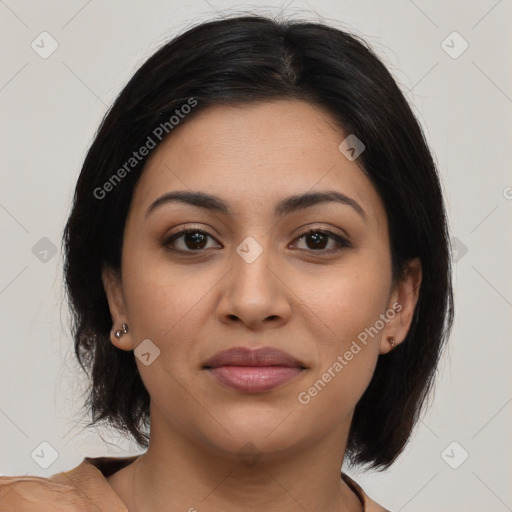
{"x": 240, "y": 60}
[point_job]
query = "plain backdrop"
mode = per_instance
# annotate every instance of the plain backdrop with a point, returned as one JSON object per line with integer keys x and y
{"x": 460, "y": 456}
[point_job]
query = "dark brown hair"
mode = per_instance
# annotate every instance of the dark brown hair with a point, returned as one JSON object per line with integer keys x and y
{"x": 246, "y": 59}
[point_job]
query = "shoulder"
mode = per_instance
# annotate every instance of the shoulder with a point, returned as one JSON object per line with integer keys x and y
{"x": 81, "y": 489}
{"x": 30, "y": 493}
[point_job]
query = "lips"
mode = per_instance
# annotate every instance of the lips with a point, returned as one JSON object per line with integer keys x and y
{"x": 241, "y": 356}
{"x": 254, "y": 370}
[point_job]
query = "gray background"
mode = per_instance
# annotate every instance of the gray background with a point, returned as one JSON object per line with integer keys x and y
{"x": 50, "y": 108}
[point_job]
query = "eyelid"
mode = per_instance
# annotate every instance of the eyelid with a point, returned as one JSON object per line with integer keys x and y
{"x": 185, "y": 227}
{"x": 322, "y": 229}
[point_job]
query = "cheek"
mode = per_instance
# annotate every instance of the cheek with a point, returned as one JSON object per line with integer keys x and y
{"x": 349, "y": 301}
{"x": 163, "y": 298}
{"x": 333, "y": 392}
{"x": 166, "y": 304}
{"x": 350, "y": 306}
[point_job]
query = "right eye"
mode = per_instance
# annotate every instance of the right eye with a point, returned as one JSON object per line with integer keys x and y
{"x": 188, "y": 240}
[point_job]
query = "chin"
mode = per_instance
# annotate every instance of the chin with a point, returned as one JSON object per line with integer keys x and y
{"x": 254, "y": 427}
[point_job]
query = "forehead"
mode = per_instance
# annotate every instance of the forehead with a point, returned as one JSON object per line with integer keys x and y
{"x": 255, "y": 154}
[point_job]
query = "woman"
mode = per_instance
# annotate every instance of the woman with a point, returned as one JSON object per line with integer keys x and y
{"x": 257, "y": 260}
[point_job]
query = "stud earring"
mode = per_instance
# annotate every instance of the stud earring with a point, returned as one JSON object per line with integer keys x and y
{"x": 119, "y": 333}
{"x": 392, "y": 342}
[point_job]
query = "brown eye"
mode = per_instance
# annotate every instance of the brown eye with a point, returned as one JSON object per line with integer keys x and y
{"x": 318, "y": 240}
{"x": 189, "y": 240}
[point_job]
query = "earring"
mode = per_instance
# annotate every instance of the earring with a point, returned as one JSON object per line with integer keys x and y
{"x": 119, "y": 333}
{"x": 392, "y": 342}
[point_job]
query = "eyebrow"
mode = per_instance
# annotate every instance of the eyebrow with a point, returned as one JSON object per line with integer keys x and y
{"x": 284, "y": 207}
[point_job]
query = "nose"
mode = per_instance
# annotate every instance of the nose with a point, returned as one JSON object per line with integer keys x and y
{"x": 255, "y": 294}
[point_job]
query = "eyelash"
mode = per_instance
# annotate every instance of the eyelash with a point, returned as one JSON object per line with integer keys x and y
{"x": 343, "y": 243}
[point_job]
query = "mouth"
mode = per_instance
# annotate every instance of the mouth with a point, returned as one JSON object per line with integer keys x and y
{"x": 254, "y": 371}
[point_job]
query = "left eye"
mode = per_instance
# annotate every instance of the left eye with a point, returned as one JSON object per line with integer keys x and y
{"x": 318, "y": 240}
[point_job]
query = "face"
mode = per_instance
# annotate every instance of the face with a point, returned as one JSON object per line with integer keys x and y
{"x": 252, "y": 268}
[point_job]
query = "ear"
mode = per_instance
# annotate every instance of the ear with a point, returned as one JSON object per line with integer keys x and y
{"x": 402, "y": 302}
{"x": 112, "y": 285}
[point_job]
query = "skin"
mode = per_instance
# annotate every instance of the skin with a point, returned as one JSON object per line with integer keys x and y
{"x": 295, "y": 297}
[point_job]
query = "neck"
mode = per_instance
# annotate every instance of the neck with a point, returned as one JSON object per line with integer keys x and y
{"x": 176, "y": 474}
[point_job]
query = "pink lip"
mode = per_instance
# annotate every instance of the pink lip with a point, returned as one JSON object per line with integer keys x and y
{"x": 253, "y": 371}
